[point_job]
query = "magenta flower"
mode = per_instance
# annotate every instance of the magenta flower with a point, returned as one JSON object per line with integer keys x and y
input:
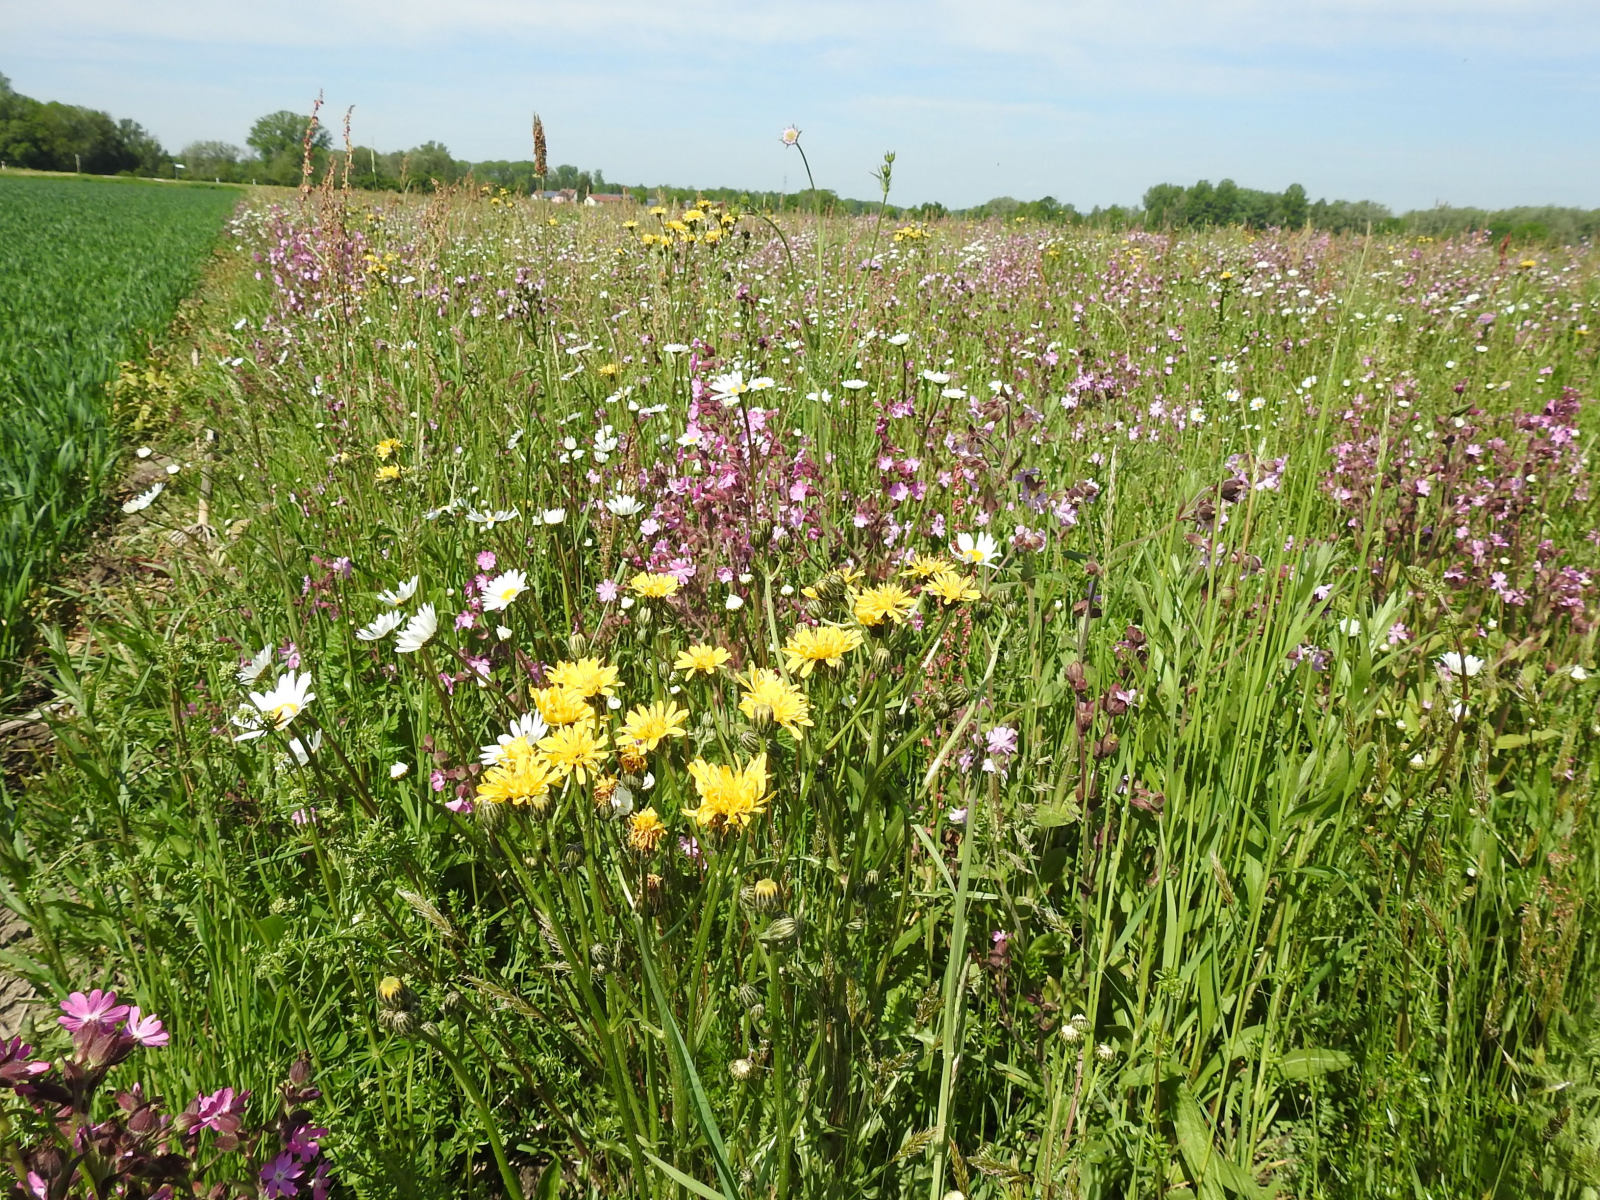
{"x": 486, "y": 560}
{"x": 460, "y": 805}
{"x": 278, "y": 1176}
{"x": 97, "y": 1008}
{"x": 145, "y": 1028}
{"x": 607, "y": 591}
{"x": 304, "y": 1141}
{"x": 320, "y": 1183}
{"x": 220, "y": 1111}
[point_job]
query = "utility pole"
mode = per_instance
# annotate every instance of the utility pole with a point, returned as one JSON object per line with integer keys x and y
{"x": 77, "y": 161}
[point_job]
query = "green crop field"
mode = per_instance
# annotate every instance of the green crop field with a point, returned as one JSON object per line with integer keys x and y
{"x": 88, "y": 269}
{"x": 679, "y": 701}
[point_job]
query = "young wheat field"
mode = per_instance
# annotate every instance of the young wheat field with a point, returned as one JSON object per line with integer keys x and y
{"x": 644, "y": 702}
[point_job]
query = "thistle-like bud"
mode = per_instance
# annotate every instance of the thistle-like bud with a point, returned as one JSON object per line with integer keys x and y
{"x": 1071, "y": 1034}
{"x": 764, "y": 895}
{"x": 1105, "y": 1052}
{"x": 577, "y": 645}
{"x": 393, "y": 994}
{"x": 749, "y": 995}
{"x": 740, "y": 1069}
{"x": 490, "y": 816}
{"x": 396, "y": 1021}
{"x": 781, "y": 930}
{"x": 572, "y": 855}
{"x": 643, "y": 618}
{"x": 761, "y": 718}
{"x": 831, "y": 587}
{"x": 881, "y": 657}
{"x": 751, "y": 742}
{"x": 450, "y": 1002}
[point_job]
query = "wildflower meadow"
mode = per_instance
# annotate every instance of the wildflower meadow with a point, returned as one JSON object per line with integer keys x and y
{"x": 674, "y": 699}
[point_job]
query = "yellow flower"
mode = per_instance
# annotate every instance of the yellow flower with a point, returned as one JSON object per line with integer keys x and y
{"x": 658, "y": 211}
{"x": 632, "y": 758}
{"x": 694, "y": 214}
{"x": 645, "y": 831}
{"x": 522, "y": 777}
{"x": 808, "y": 645}
{"x": 387, "y": 447}
{"x": 886, "y": 602}
{"x": 949, "y": 588}
{"x": 386, "y": 474}
{"x": 646, "y": 725}
{"x": 926, "y": 566}
{"x": 654, "y": 587}
{"x": 787, "y": 703}
{"x": 562, "y": 706}
{"x": 701, "y": 658}
{"x": 728, "y": 798}
{"x": 608, "y": 369}
{"x": 587, "y": 677}
{"x": 574, "y": 750}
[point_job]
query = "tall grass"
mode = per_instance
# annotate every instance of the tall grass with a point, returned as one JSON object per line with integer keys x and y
{"x": 89, "y": 271}
{"x": 1227, "y": 834}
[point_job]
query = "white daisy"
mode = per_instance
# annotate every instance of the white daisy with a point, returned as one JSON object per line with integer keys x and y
{"x": 1457, "y": 664}
{"x": 418, "y": 631}
{"x": 399, "y": 770}
{"x": 303, "y": 751}
{"x": 624, "y": 506}
{"x": 274, "y": 709}
{"x": 553, "y": 516}
{"x": 251, "y": 671}
{"x": 381, "y": 626}
{"x": 143, "y": 500}
{"x": 726, "y": 389}
{"x": 503, "y": 589}
{"x": 400, "y": 594}
{"x": 981, "y": 550}
{"x": 530, "y": 726}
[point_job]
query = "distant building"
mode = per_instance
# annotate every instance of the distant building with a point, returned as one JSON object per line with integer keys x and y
{"x": 564, "y": 196}
{"x": 594, "y": 199}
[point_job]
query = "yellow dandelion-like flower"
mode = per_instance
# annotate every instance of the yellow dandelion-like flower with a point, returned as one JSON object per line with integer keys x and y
{"x": 522, "y": 777}
{"x": 949, "y": 588}
{"x": 608, "y": 369}
{"x": 926, "y": 566}
{"x": 574, "y": 750}
{"x": 587, "y": 677}
{"x": 729, "y": 798}
{"x": 654, "y": 587}
{"x": 788, "y": 704}
{"x": 808, "y": 646}
{"x": 631, "y": 757}
{"x": 645, "y": 831}
{"x": 386, "y": 474}
{"x": 562, "y": 706}
{"x": 886, "y": 602}
{"x": 387, "y": 447}
{"x": 701, "y": 658}
{"x": 646, "y": 725}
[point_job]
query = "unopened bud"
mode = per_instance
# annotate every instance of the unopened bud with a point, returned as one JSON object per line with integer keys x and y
{"x": 761, "y": 718}
{"x": 740, "y": 1069}
{"x": 1106, "y": 746}
{"x": 751, "y": 742}
{"x": 749, "y": 995}
{"x": 577, "y": 645}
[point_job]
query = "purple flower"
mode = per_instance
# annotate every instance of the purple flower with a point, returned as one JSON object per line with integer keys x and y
{"x": 278, "y": 1176}
{"x": 290, "y": 655}
{"x": 607, "y": 591}
{"x": 304, "y": 1141}
{"x": 320, "y": 1183}
{"x": 436, "y": 781}
{"x": 486, "y": 560}
{"x": 460, "y": 805}
{"x": 145, "y": 1028}
{"x": 220, "y": 1111}
{"x": 97, "y": 1008}
{"x": 1002, "y": 740}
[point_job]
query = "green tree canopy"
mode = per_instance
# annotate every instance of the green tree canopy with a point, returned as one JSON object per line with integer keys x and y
{"x": 284, "y": 132}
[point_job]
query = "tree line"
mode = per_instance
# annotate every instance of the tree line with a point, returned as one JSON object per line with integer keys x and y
{"x": 52, "y": 136}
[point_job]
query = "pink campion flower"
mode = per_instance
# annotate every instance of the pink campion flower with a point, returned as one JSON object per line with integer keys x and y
{"x": 37, "y": 1186}
{"x": 436, "y": 781}
{"x": 97, "y": 1008}
{"x": 278, "y": 1176}
{"x": 303, "y": 1142}
{"x": 15, "y": 1067}
{"x": 460, "y": 805}
{"x": 145, "y": 1028}
{"x": 220, "y": 1111}
{"x": 1397, "y": 633}
{"x": 290, "y": 654}
{"x": 465, "y": 618}
{"x": 320, "y": 1183}
{"x": 304, "y": 816}
{"x": 486, "y": 560}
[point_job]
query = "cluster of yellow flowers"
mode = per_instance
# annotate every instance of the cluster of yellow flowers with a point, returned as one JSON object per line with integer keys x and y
{"x": 914, "y": 232}
{"x": 378, "y": 265}
{"x": 707, "y": 222}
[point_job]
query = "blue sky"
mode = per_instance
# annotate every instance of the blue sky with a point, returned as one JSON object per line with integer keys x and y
{"x": 1407, "y": 101}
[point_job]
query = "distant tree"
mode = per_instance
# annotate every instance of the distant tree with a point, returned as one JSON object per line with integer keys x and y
{"x": 1163, "y": 205}
{"x": 283, "y": 133}
{"x": 1293, "y": 209}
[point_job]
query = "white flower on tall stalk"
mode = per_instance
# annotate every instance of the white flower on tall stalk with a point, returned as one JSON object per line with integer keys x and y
{"x": 761, "y": 383}
{"x": 143, "y": 500}
{"x": 938, "y": 377}
{"x": 493, "y": 517}
{"x": 251, "y": 671}
{"x": 503, "y": 589}
{"x": 726, "y": 389}
{"x": 1458, "y": 664}
{"x": 275, "y": 708}
{"x": 530, "y": 727}
{"x": 790, "y": 135}
{"x": 734, "y": 602}
{"x": 899, "y": 339}
{"x": 1577, "y": 672}
{"x": 399, "y": 770}
{"x": 553, "y": 516}
{"x": 853, "y": 385}
{"x": 303, "y": 751}
{"x": 381, "y": 626}
{"x": 418, "y": 631}
{"x": 982, "y": 550}
{"x": 675, "y": 348}
{"x": 400, "y": 594}
{"x": 624, "y": 506}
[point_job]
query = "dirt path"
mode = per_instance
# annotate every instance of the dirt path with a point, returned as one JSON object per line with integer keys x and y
{"x": 16, "y": 995}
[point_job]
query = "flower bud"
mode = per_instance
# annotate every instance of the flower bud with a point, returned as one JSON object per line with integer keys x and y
{"x": 781, "y": 930}
{"x": 1106, "y": 746}
{"x": 761, "y": 718}
{"x": 751, "y": 742}
{"x": 393, "y": 993}
{"x": 740, "y": 1069}
{"x": 749, "y": 995}
{"x": 577, "y": 645}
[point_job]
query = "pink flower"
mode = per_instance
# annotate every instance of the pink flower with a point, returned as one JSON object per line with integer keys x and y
{"x": 607, "y": 591}
{"x": 303, "y": 1142}
{"x": 97, "y": 1008}
{"x": 220, "y": 1111}
{"x": 436, "y": 781}
{"x": 460, "y": 805}
{"x": 278, "y": 1176}
{"x": 145, "y": 1028}
{"x": 486, "y": 560}
{"x": 37, "y": 1186}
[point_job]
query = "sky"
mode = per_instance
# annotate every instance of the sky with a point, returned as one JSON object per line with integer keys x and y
{"x": 1407, "y": 102}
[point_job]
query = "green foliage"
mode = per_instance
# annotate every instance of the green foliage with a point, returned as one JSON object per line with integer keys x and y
{"x": 64, "y": 137}
{"x": 88, "y": 271}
